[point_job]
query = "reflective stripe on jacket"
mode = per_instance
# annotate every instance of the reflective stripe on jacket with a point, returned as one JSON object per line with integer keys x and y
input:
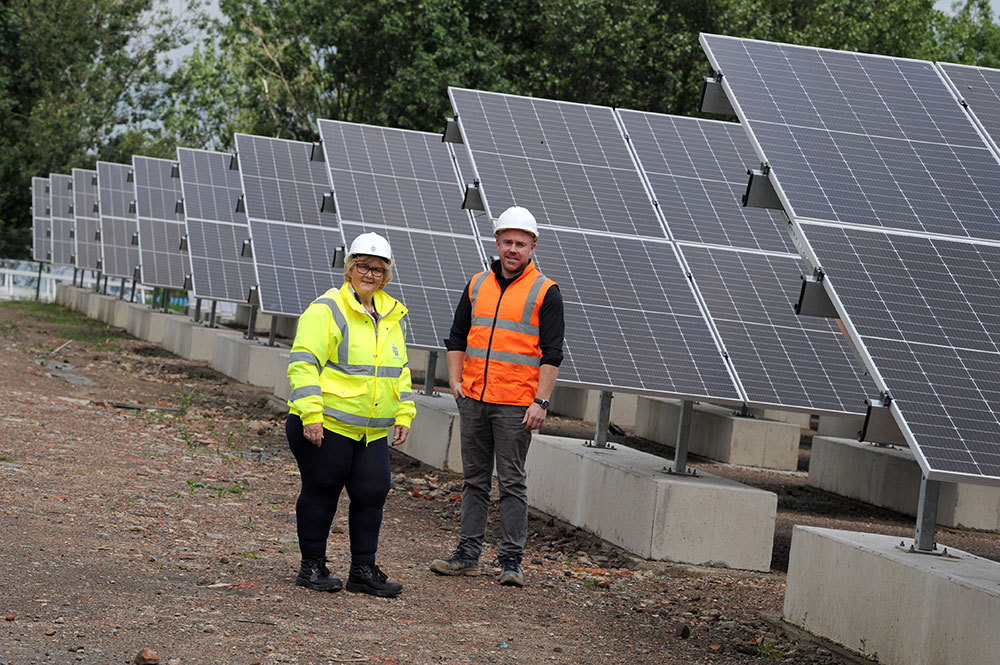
{"x": 502, "y": 352}
{"x": 343, "y": 374}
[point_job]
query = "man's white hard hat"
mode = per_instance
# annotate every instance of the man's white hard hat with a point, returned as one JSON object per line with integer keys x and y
{"x": 371, "y": 244}
{"x": 516, "y": 217}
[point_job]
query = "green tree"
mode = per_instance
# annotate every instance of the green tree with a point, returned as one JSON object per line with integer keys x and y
{"x": 75, "y": 77}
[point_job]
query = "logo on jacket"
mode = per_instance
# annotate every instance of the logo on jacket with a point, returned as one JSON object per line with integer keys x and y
{"x": 395, "y": 350}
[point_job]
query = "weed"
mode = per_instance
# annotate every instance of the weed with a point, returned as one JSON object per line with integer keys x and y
{"x": 249, "y": 555}
{"x": 770, "y": 650}
{"x": 802, "y": 623}
{"x": 193, "y": 485}
{"x": 8, "y": 329}
{"x": 863, "y": 650}
{"x": 6, "y": 458}
{"x": 185, "y": 397}
{"x": 248, "y": 525}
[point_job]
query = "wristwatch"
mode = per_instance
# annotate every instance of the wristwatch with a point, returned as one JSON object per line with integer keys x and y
{"x": 544, "y": 403}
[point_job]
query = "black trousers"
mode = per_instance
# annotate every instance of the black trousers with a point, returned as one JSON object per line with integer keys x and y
{"x": 339, "y": 463}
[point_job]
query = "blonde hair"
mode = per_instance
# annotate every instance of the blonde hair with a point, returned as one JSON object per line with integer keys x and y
{"x": 353, "y": 259}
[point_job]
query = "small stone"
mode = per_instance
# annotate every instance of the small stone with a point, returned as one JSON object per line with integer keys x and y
{"x": 820, "y": 651}
{"x": 557, "y": 649}
{"x": 146, "y": 657}
{"x": 208, "y": 628}
{"x": 10, "y": 617}
{"x": 683, "y": 632}
{"x": 50, "y": 632}
{"x": 337, "y": 528}
{"x": 715, "y": 647}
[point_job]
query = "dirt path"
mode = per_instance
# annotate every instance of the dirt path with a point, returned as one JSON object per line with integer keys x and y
{"x": 171, "y": 527}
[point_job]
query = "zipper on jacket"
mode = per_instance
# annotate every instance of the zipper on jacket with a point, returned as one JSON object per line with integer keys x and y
{"x": 489, "y": 345}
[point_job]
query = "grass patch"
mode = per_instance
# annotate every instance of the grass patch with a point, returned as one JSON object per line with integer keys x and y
{"x": 6, "y": 458}
{"x": 66, "y": 324}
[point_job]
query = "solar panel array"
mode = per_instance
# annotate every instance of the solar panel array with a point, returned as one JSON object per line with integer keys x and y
{"x": 403, "y": 184}
{"x": 627, "y": 298}
{"x": 979, "y": 88}
{"x": 293, "y": 240}
{"x": 216, "y": 230}
{"x": 161, "y": 223}
{"x": 41, "y": 222}
{"x": 86, "y": 219}
{"x": 61, "y": 212}
{"x": 880, "y": 149}
{"x": 745, "y": 266}
{"x": 116, "y": 197}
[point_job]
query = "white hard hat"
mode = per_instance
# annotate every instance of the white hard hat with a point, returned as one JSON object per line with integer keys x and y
{"x": 371, "y": 244}
{"x": 516, "y": 217}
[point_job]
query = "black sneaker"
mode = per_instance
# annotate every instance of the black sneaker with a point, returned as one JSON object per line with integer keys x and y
{"x": 313, "y": 574}
{"x": 510, "y": 572}
{"x": 369, "y": 578}
{"x": 457, "y": 564}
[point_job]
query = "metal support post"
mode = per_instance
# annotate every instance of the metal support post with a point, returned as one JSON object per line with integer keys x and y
{"x": 927, "y": 508}
{"x": 272, "y": 333}
{"x": 211, "y": 319}
{"x": 166, "y": 301}
{"x": 430, "y": 372}
{"x": 105, "y": 285}
{"x": 156, "y": 297}
{"x": 197, "y": 310}
{"x": 131, "y": 297}
{"x": 252, "y": 324}
{"x": 603, "y": 421}
{"x": 38, "y": 286}
{"x": 121, "y": 290}
{"x": 74, "y": 277}
{"x": 683, "y": 438}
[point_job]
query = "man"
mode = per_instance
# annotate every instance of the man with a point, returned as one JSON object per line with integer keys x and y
{"x": 504, "y": 352}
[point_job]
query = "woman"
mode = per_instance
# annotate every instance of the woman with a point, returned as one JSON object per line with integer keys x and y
{"x": 350, "y": 391}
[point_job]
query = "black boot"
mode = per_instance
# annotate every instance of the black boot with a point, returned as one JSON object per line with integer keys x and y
{"x": 369, "y": 578}
{"x": 313, "y": 574}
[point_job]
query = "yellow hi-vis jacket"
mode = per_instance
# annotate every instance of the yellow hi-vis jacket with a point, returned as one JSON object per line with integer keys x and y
{"x": 345, "y": 374}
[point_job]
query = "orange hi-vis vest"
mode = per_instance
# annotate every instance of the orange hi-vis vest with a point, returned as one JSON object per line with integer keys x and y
{"x": 502, "y": 352}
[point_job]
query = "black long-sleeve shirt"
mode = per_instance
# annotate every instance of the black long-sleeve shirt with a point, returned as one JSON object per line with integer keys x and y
{"x": 550, "y": 321}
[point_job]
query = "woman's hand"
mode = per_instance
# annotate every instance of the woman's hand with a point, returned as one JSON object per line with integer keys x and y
{"x": 399, "y": 436}
{"x": 314, "y": 433}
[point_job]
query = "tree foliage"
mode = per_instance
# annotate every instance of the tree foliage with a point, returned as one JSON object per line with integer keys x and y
{"x": 85, "y": 80}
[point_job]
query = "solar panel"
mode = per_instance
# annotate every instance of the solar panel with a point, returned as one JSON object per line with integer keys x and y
{"x": 697, "y": 170}
{"x": 928, "y": 314}
{"x": 403, "y": 185}
{"x": 782, "y": 360}
{"x": 86, "y": 219}
{"x": 293, "y": 239}
{"x": 979, "y": 89}
{"x": 632, "y": 320}
{"x": 216, "y": 230}
{"x": 61, "y": 212}
{"x": 161, "y": 224}
{"x": 41, "y": 222}
{"x": 116, "y": 195}
{"x": 862, "y": 139}
{"x": 567, "y": 163}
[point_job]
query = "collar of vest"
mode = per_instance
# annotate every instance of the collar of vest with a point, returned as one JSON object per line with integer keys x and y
{"x": 388, "y": 308}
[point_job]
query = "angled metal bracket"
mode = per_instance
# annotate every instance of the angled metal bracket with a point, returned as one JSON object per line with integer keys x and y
{"x": 93, "y": 180}
{"x": 339, "y": 255}
{"x": 234, "y": 162}
{"x": 96, "y": 207}
{"x": 328, "y": 205}
{"x": 253, "y": 298}
{"x": 240, "y": 206}
{"x": 100, "y": 266}
{"x": 137, "y": 273}
{"x": 179, "y": 207}
{"x": 452, "y": 134}
{"x": 879, "y": 425}
{"x": 72, "y": 233}
{"x": 70, "y": 209}
{"x": 184, "y": 243}
{"x": 813, "y": 298}
{"x": 97, "y": 234}
{"x": 246, "y": 251}
{"x": 473, "y": 199}
{"x": 760, "y": 192}
{"x": 188, "y": 283}
{"x": 131, "y": 206}
{"x": 48, "y": 232}
{"x": 175, "y": 170}
{"x": 713, "y": 97}
{"x": 135, "y": 239}
{"x": 131, "y": 176}
{"x": 316, "y": 153}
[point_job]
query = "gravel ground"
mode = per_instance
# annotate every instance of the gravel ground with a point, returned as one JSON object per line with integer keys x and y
{"x": 146, "y": 501}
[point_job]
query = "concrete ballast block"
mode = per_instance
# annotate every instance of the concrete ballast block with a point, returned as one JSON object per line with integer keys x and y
{"x": 860, "y": 591}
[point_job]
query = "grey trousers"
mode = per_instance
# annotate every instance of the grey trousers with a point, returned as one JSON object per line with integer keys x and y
{"x": 493, "y": 431}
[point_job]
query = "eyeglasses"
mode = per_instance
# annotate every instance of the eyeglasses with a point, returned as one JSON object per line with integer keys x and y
{"x": 365, "y": 269}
